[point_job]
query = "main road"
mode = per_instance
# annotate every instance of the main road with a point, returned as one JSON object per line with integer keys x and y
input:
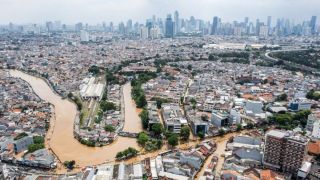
{"x": 60, "y": 135}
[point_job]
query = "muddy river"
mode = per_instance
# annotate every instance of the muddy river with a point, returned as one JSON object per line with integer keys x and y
{"x": 60, "y": 136}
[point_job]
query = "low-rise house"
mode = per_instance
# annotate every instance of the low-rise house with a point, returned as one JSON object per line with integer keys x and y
{"x": 22, "y": 144}
{"x": 244, "y": 141}
{"x": 191, "y": 159}
{"x": 246, "y": 157}
{"x": 40, "y": 158}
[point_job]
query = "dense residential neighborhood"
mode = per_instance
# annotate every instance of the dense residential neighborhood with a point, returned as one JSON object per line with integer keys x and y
{"x": 203, "y": 101}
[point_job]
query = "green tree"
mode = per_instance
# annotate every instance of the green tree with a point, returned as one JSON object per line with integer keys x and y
{"x": 159, "y": 144}
{"x": 185, "y": 133}
{"x": 21, "y": 135}
{"x": 250, "y": 126}
{"x": 34, "y": 147}
{"x": 189, "y": 67}
{"x": 211, "y": 57}
{"x": 38, "y": 139}
{"x": 141, "y": 101}
{"x": 201, "y": 134}
{"x": 106, "y": 106}
{"x": 173, "y": 140}
{"x": 239, "y": 127}
{"x": 282, "y": 97}
{"x": 69, "y": 164}
{"x": 157, "y": 128}
{"x": 143, "y": 138}
{"x": 221, "y": 132}
{"x": 94, "y": 70}
{"x": 109, "y": 128}
{"x": 119, "y": 155}
{"x": 144, "y": 116}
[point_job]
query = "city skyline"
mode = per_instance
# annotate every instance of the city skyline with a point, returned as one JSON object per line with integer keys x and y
{"x": 93, "y": 12}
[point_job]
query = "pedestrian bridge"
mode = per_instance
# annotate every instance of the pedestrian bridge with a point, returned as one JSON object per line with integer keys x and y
{"x": 128, "y": 134}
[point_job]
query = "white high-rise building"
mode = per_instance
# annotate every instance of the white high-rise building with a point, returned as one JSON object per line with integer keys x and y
{"x": 154, "y": 33}
{"x": 237, "y": 31}
{"x": 144, "y": 32}
{"x": 264, "y": 31}
{"x": 84, "y": 36}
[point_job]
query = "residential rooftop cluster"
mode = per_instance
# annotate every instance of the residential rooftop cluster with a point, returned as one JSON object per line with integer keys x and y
{"x": 23, "y": 116}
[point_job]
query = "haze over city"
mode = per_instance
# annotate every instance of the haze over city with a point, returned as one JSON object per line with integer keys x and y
{"x": 97, "y": 11}
{"x": 160, "y": 89}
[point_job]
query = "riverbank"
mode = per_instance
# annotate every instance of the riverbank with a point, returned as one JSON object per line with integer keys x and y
{"x": 62, "y": 141}
{"x": 66, "y": 147}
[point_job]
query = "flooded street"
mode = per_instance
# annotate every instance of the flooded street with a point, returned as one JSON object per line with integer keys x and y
{"x": 62, "y": 142}
{"x": 60, "y": 135}
{"x": 132, "y": 123}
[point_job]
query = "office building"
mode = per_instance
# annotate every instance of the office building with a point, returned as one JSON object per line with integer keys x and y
{"x": 214, "y": 29}
{"x": 264, "y": 31}
{"x": 237, "y": 31}
{"x": 169, "y": 28}
{"x": 284, "y": 151}
{"x": 49, "y": 26}
{"x": 219, "y": 118}
{"x": 173, "y": 118}
{"x": 78, "y": 27}
{"x": 300, "y": 104}
{"x": 313, "y": 24}
{"x": 144, "y": 32}
{"x": 176, "y": 22}
{"x": 154, "y": 33}
{"x": 84, "y": 36}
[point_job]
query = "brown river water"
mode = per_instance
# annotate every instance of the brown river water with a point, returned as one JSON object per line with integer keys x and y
{"x": 60, "y": 136}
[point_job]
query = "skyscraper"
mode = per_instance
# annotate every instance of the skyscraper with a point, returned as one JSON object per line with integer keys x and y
{"x": 129, "y": 26}
{"x": 269, "y": 22}
{"x": 215, "y": 22}
{"x": 257, "y": 27}
{"x": 246, "y": 20}
{"x": 313, "y": 24}
{"x": 176, "y": 21}
{"x": 78, "y": 27}
{"x": 49, "y": 26}
{"x": 143, "y": 32}
{"x": 169, "y": 29}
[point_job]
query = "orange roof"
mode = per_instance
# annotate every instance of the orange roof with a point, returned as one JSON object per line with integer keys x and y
{"x": 314, "y": 148}
{"x": 16, "y": 110}
{"x": 248, "y": 96}
{"x": 267, "y": 175}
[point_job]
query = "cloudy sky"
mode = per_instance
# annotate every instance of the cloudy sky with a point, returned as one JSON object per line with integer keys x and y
{"x": 97, "y": 11}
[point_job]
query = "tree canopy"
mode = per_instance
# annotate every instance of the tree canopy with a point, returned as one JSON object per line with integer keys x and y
{"x": 185, "y": 133}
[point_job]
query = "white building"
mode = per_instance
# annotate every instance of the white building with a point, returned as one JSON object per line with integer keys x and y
{"x": 264, "y": 31}
{"x": 234, "y": 117}
{"x": 144, "y": 32}
{"x": 84, "y": 36}
{"x": 237, "y": 31}
{"x": 90, "y": 89}
{"x": 312, "y": 118}
{"x": 154, "y": 33}
{"x": 316, "y": 130}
